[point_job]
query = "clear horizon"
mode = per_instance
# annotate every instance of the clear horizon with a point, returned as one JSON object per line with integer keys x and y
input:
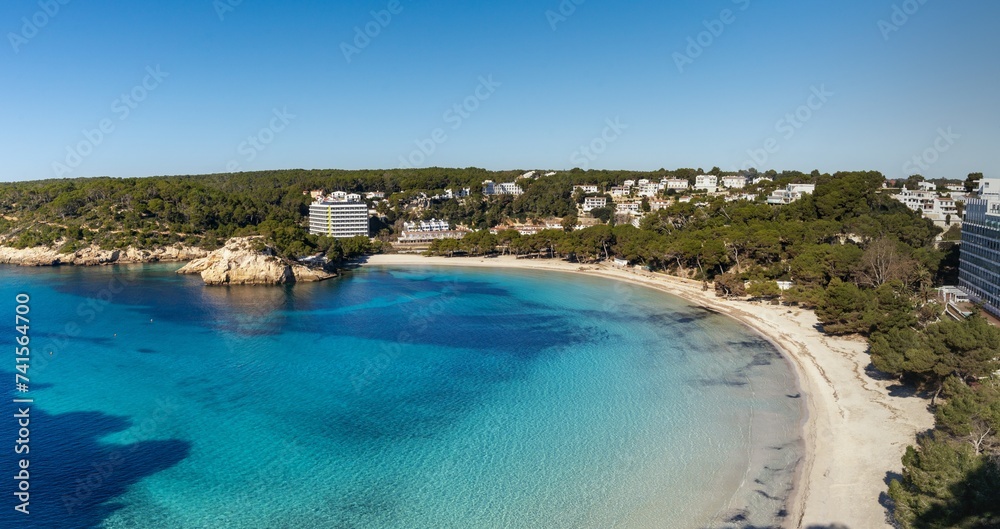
{"x": 214, "y": 86}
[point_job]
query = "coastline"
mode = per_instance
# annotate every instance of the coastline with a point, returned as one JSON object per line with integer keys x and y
{"x": 95, "y": 256}
{"x": 855, "y": 431}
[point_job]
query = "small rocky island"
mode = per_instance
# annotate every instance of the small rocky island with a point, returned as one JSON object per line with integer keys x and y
{"x": 249, "y": 261}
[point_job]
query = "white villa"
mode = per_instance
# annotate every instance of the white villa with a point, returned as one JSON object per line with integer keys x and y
{"x": 932, "y": 206}
{"x": 734, "y": 182}
{"x": 627, "y": 207}
{"x": 426, "y": 231}
{"x": 650, "y": 189}
{"x": 790, "y": 193}
{"x": 461, "y": 193}
{"x": 707, "y": 182}
{"x": 658, "y": 204}
{"x": 510, "y": 188}
{"x": 592, "y": 203}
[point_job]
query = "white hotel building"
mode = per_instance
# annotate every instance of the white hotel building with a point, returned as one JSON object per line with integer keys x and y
{"x": 734, "y": 182}
{"x": 790, "y": 193}
{"x": 677, "y": 184}
{"x": 592, "y": 203}
{"x": 706, "y": 182}
{"x": 979, "y": 261}
{"x": 339, "y": 218}
{"x": 507, "y": 188}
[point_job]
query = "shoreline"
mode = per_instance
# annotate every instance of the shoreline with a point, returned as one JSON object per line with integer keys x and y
{"x": 40, "y": 256}
{"x": 854, "y": 431}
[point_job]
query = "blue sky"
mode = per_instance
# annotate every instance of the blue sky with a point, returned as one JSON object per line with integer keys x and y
{"x": 272, "y": 85}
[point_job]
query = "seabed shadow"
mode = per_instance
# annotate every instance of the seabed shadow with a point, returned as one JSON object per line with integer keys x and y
{"x": 74, "y": 477}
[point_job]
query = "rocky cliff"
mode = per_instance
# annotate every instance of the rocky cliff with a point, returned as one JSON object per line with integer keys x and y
{"x": 45, "y": 256}
{"x": 242, "y": 262}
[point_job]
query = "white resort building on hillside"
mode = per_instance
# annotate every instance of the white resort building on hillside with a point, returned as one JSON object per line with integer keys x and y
{"x": 790, "y": 193}
{"x": 425, "y": 231}
{"x": 508, "y": 188}
{"x": 734, "y": 182}
{"x": 627, "y": 207}
{"x": 931, "y": 205}
{"x": 337, "y": 216}
{"x": 706, "y": 182}
{"x": 650, "y": 189}
{"x": 979, "y": 261}
{"x": 592, "y": 203}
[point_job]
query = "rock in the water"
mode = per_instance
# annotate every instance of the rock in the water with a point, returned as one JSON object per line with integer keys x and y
{"x": 242, "y": 262}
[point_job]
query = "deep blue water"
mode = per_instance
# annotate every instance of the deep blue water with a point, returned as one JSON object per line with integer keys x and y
{"x": 390, "y": 398}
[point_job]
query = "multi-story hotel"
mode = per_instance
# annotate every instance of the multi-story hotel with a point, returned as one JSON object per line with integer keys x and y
{"x": 979, "y": 261}
{"x": 338, "y": 217}
{"x": 706, "y": 182}
{"x": 592, "y": 203}
{"x": 508, "y": 188}
{"x": 734, "y": 182}
{"x": 675, "y": 183}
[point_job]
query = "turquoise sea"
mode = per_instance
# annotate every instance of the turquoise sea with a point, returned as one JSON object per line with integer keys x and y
{"x": 391, "y": 398}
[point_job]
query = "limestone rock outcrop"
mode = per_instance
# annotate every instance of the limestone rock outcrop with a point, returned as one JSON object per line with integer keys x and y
{"x": 93, "y": 255}
{"x": 243, "y": 261}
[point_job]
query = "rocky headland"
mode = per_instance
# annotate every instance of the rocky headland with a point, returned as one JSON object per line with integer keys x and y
{"x": 247, "y": 261}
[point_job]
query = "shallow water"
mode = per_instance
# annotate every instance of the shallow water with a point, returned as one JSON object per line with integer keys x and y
{"x": 394, "y": 398}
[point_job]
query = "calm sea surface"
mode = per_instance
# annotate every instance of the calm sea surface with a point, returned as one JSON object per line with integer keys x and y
{"x": 390, "y": 398}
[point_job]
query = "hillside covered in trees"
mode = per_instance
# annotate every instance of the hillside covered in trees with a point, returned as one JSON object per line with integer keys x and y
{"x": 206, "y": 210}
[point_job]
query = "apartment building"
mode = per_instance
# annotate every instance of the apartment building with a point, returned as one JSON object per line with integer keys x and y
{"x": 338, "y": 217}
{"x": 979, "y": 261}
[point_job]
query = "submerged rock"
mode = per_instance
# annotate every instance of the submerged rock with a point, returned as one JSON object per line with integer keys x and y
{"x": 245, "y": 261}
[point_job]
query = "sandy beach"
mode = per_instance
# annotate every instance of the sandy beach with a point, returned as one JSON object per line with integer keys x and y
{"x": 855, "y": 433}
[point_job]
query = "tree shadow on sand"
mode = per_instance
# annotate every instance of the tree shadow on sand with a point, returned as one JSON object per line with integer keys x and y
{"x": 74, "y": 477}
